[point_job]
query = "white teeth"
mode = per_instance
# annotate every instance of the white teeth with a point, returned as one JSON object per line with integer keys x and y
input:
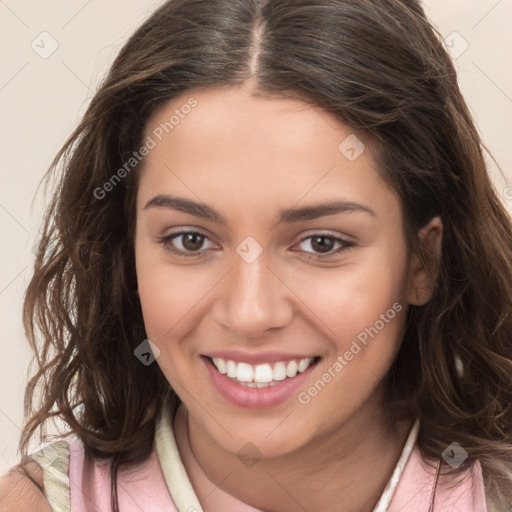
{"x": 231, "y": 369}
{"x": 221, "y": 365}
{"x": 303, "y": 365}
{"x": 257, "y": 384}
{"x": 291, "y": 369}
{"x": 261, "y": 375}
{"x": 279, "y": 372}
{"x": 244, "y": 372}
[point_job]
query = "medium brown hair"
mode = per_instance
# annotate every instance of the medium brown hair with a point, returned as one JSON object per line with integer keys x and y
{"x": 381, "y": 68}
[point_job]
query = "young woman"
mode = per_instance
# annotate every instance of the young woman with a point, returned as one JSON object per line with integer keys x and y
{"x": 274, "y": 275}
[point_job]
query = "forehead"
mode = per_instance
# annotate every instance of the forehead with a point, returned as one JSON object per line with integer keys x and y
{"x": 229, "y": 145}
{"x": 237, "y": 114}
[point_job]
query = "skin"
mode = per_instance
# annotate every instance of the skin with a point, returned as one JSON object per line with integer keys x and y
{"x": 250, "y": 157}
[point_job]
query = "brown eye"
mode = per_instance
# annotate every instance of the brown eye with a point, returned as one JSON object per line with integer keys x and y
{"x": 323, "y": 245}
{"x": 191, "y": 243}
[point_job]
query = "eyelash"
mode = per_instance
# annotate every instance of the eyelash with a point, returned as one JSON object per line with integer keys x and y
{"x": 165, "y": 242}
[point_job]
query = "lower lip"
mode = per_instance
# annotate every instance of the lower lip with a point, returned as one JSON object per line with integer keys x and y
{"x": 256, "y": 398}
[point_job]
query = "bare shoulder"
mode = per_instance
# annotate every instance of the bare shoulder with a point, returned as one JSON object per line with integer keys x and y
{"x": 18, "y": 493}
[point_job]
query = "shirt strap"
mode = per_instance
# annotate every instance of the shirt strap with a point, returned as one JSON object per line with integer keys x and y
{"x": 389, "y": 491}
{"x": 174, "y": 472}
{"x": 54, "y": 462}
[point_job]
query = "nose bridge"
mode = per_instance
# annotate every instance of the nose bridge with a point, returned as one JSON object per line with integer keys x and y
{"x": 252, "y": 297}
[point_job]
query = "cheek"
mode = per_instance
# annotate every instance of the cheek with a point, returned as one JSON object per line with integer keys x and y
{"x": 167, "y": 300}
{"x": 361, "y": 311}
{"x": 345, "y": 301}
{"x": 171, "y": 297}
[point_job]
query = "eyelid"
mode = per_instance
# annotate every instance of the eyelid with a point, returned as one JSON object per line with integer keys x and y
{"x": 166, "y": 240}
{"x": 346, "y": 243}
{"x": 332, "y": 234}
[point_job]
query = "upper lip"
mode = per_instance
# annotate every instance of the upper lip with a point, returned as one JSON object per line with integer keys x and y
{"x": 256, "y": 358}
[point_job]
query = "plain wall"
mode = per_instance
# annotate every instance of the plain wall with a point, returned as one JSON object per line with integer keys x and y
{"x": 42, "y": 99}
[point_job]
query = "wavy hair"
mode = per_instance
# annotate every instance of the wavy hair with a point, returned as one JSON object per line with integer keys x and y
{"x": 381, "y": 68}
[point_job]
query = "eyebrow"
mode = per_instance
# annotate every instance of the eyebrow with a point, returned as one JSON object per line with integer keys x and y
{"x": 288, "y": 215}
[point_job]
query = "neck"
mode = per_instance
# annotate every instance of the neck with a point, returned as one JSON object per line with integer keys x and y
{"x": 345, "y": 469}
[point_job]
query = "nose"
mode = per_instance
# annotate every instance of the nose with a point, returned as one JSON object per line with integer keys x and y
{"x": 253, "y": 299}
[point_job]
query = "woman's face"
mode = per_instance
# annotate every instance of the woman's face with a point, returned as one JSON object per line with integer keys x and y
{"x": 294, "y": 255}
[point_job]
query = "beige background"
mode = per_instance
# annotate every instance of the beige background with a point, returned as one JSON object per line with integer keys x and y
{"x": 42, "y": 99}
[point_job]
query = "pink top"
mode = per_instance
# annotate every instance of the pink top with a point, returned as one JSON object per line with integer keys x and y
{"x": 74, "y": 483}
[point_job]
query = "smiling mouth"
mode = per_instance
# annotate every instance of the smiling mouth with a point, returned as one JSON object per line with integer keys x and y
{"x": 261, "y": 375}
